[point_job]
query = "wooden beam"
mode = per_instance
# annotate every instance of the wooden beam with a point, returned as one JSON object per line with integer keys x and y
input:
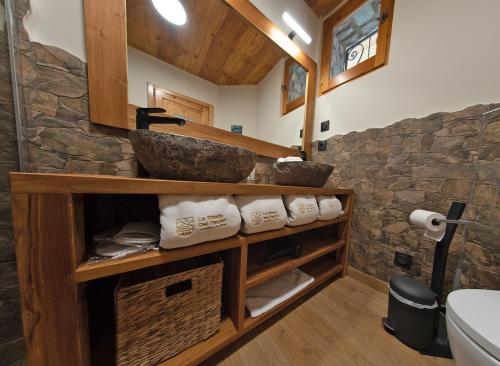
{"x": 106, "y": 37}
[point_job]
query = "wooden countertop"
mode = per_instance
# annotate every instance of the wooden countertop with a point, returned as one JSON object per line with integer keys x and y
{"x": 90, "y": 183}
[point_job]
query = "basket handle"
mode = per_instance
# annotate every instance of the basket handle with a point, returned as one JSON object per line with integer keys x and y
{"x": 179, "y": 287}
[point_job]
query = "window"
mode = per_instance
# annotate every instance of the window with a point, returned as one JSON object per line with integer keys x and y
{"x": 355, "y": 41}
{"x": 294, "y": 86}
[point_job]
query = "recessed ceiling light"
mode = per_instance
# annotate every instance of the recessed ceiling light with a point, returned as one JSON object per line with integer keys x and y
{"x": 292, "y": 23}
{"x": 171, "y": 10}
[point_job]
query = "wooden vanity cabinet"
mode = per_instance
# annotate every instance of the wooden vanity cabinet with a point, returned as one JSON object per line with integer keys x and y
{"x": 67, "y": 302}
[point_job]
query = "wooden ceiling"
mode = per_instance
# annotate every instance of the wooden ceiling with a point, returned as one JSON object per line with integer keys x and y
{"x": 323, "y": 7}
{"x": 215, "y": 44}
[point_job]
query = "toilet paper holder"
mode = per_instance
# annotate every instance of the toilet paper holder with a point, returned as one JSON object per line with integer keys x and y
{"x": 437, "y": 222}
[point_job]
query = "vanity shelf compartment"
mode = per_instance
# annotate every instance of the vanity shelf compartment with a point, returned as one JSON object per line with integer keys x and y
{"x": 322, "y": 269}
{"x": 316, "y": 244}
{"x": 93, "y": 270}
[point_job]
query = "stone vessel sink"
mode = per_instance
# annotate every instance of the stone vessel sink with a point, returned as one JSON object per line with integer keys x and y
{"x": 301, "y": 173}
{"x": 170, "y": 156}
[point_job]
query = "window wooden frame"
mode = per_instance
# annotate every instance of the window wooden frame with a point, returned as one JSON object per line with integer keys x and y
{"x": 286, "y": 106}
{"x": 327, "y": 82}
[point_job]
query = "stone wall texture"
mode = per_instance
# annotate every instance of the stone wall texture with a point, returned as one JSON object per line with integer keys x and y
{"x": 423, "y": 163}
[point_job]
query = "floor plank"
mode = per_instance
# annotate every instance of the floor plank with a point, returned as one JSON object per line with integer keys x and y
{"x": 338, "y": 326}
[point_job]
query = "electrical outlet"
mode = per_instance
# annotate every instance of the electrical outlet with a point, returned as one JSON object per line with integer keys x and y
{"x": 325, "y": 126}
{"x": 403, "y": 260}
{"x": 322, "y": 145}
{"x": 301, "y": 132}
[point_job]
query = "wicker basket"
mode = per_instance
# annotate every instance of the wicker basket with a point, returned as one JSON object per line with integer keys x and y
{"x": 160, "y": 314}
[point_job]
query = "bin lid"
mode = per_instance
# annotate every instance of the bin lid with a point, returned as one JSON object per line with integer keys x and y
{"x": 412, "y": 290}
{"x": 477, "y": 314}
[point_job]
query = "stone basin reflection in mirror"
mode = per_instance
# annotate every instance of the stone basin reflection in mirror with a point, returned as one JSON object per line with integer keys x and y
{"x": 217, "y": 70}
{"x": 301, "y": 173}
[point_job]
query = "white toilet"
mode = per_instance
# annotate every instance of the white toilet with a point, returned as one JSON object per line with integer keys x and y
{"x": 473, "y": 324}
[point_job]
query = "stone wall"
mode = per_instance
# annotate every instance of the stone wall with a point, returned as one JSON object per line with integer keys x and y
{"x": 423, "y": 163}
{"x": 11, "y": 341}
{"x": 58, "y": 134}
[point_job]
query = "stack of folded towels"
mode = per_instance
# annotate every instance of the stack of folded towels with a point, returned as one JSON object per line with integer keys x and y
{"x": 190, "y": 219}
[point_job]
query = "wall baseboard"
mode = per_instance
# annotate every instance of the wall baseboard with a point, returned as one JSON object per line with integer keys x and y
{"x": 368, "y": 280}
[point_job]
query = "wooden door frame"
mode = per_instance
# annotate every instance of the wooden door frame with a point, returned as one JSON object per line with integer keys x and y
{"x": 152, "y": 88}
{"x": 106, "y": 39}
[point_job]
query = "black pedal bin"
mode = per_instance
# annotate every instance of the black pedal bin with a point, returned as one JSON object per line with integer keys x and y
{"x": 412, "y": 312}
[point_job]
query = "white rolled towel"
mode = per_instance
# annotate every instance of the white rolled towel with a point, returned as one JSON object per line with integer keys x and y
{"x": 190, "y": 219}
{"x": 330, "y": 207}
{"x": 289, "y": 158}
{"x": 301, "y": 209}
{"x": 261, "y": 213}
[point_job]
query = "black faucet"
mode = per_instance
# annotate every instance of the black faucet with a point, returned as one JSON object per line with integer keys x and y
{"x": 143, "y": 119}
{"x": 142, "y": 122}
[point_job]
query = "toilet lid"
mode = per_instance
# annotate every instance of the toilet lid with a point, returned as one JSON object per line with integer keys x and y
{"x": 477, "y": 313}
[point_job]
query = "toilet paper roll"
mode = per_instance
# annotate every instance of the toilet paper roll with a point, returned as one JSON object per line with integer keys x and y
{"x": 424, "y": 219}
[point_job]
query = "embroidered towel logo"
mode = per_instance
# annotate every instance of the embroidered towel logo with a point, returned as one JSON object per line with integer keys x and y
{"x": 211, "y": 222}
{"x": 333, "y": 204}
{"x": 184, "y": 226}
{"x": 271, "y": 215}
{"x": 305, "y": 207}
{"x": 258, "y": 217}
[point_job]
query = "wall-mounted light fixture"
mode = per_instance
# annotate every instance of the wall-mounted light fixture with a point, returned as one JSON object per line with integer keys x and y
{"x": 171, "y": 10}
{"x": 292, "y": 23}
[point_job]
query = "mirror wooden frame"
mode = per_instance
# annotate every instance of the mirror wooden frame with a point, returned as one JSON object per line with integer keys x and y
{"x": 106, "y": 39}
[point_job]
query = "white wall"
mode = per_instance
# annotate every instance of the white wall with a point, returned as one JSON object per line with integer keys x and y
{"x": 238, "y": 106}
{"x": 143, "y": 68}
{"x": 444, "y": 56}
{"x": 232, "y": 105}
{"x": 271, "y": 125}
{"x": 58, "y": 23}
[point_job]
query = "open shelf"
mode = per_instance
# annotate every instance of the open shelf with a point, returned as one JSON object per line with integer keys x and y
{"x": 261, "y": 272}
{"x": 321, "y": 269}
{"x": 290, "y": 230}
{"x": 94, "y": 270}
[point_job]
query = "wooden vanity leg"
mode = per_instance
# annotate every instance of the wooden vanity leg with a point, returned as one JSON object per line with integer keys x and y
{"x": 49, "y": 247}
{"x": 235, "y": 271}
{"x": 242, "y": 290}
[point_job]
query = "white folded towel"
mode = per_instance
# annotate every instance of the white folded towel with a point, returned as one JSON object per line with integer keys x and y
{"x": 190, "y": 219}
{"x": 289, "y": 158}
{"x": 266, "y": 296}
{"x": 261, "y": 213}
{"x": 138, "y": 233}
{"x": 330, "y": 207}
{"x": 301, "y": 209}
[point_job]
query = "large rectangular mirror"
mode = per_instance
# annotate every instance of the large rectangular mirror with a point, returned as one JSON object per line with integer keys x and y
{"x": 228, "y": 71}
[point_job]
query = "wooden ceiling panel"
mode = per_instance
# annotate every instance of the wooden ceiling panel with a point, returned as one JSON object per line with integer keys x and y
{"x": 323, "y": 7}
{"x": 215, "y": 44}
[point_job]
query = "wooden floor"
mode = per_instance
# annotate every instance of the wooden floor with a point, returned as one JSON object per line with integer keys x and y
{"x": 339, "y": 325}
